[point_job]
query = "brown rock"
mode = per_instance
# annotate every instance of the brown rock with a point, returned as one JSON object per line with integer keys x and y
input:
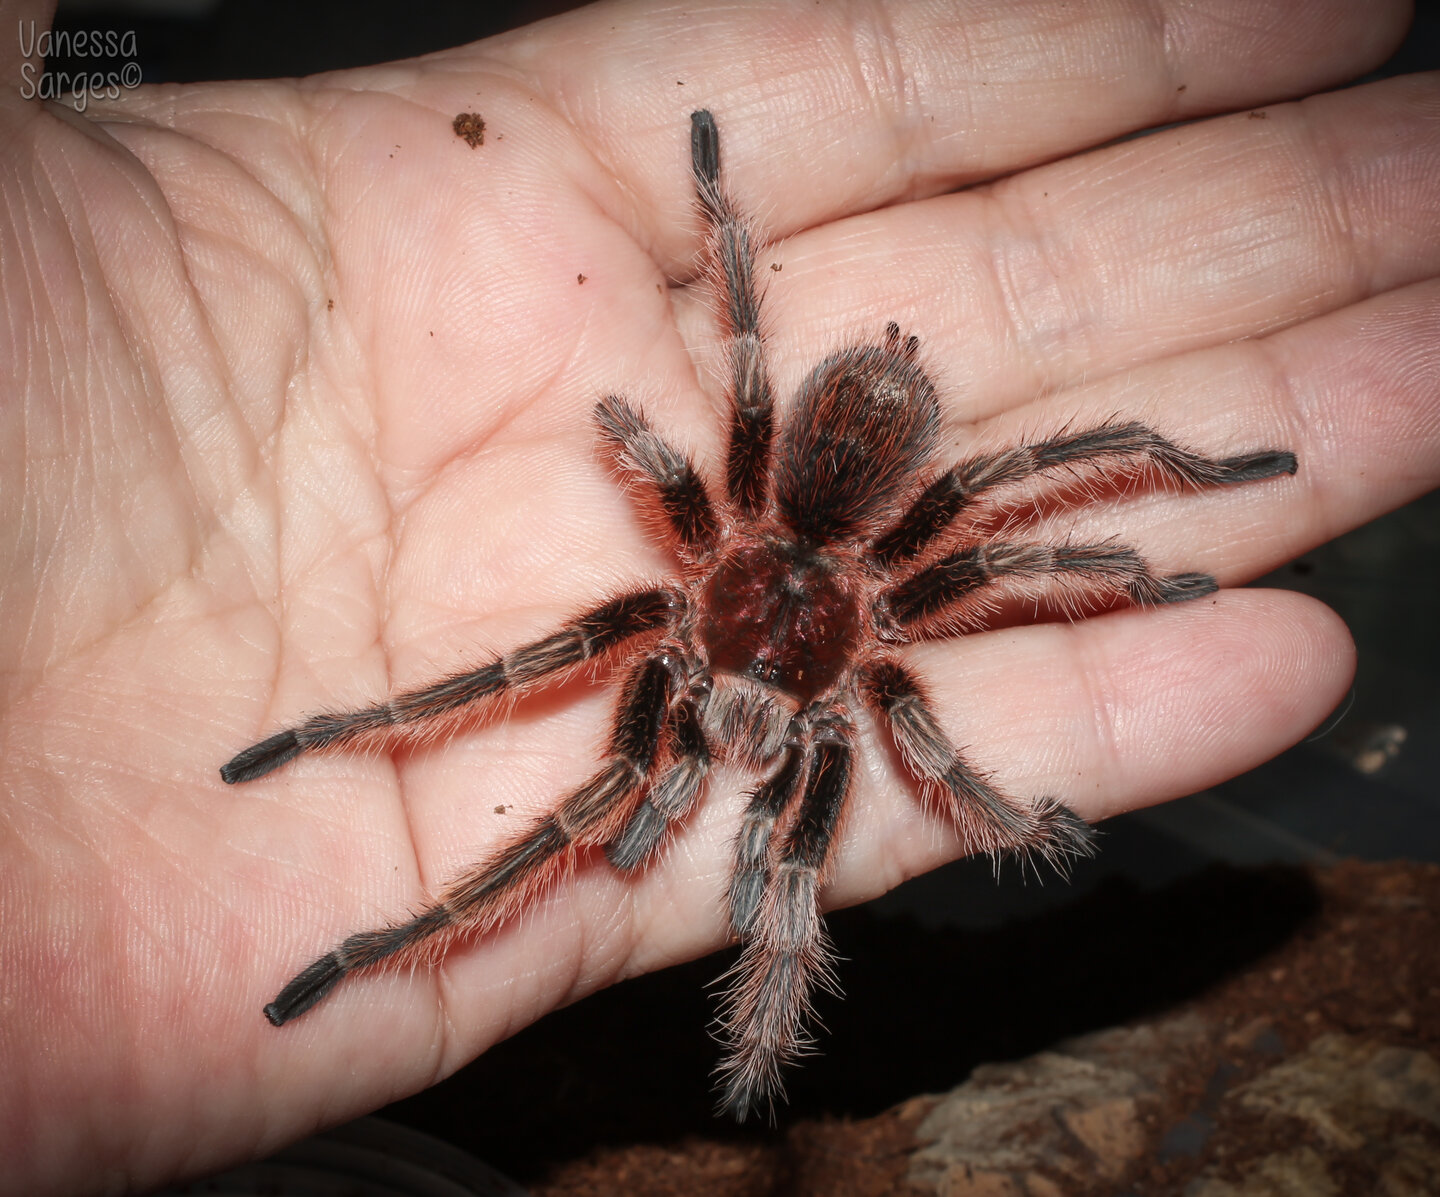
{"x": 1039, "y": 1125}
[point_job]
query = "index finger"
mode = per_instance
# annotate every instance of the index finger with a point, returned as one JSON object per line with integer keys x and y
{"x": 835, "y": 109}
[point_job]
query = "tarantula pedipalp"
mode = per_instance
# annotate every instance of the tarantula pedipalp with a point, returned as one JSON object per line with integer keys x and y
{"x": 833, "y": 546}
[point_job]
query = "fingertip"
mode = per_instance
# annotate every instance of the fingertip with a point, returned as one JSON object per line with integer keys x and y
{"x": 1318, "y": 646}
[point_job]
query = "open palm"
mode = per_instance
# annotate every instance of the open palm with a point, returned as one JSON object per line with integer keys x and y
{"x": 301, "y": 416}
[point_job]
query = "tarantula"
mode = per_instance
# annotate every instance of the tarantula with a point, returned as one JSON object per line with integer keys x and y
{"x": 832, "y": 546}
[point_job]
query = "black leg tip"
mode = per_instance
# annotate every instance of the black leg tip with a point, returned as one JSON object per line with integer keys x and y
{"x": 1255, "y": 466}
{"x": 306, "y": 990}
{"x": 704, "y": 146}
{"x": 1181, "y": 588}
{"x": 259, "y": 759}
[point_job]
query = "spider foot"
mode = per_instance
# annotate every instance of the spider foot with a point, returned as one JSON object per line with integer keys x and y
{"x": 1061, "y": 836}
{"x": 307, "y": 989}
{"x": 764, "y": 1013}
{"x": 1148, "y": 590}
{"x": 259, "y": 759}
{"x": 1254, "y": 466}
{"x": 312, "y": 985}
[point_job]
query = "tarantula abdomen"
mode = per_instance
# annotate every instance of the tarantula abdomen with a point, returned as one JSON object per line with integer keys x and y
{"x": 863, "y": 422}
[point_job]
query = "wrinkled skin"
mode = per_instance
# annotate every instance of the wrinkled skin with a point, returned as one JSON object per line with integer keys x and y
{"x": 299, "y": 413}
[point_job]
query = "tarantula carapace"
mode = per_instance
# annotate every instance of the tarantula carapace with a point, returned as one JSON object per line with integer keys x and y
{"x": 833, "y": 545}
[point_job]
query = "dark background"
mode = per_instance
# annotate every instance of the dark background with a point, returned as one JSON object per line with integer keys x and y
{"x": 950, "y": 969}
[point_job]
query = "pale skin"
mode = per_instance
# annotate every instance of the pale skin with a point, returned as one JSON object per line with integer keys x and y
{"x": 299, "y": 414}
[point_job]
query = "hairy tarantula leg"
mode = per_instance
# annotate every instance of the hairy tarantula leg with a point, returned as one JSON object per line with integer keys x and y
{"x": 956, "y": 576}
{"x": 671, "y": 476}
{"x": 751, "y": 873}
{"x": 752, "y": 403}
{"x": 1131, "y": 445}
{"x": 787, "y": 952}
{"x": 673, "y": 794}
{"x": 988, "y": 821}
{"x": 581, "y": 639}
{"x": 492, "y": 892}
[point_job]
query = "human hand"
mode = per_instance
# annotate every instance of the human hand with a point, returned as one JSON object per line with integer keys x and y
{"x": 230, "y": 503}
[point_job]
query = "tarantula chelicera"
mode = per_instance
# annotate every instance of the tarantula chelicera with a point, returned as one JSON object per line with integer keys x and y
{"x": 834, "y": 543}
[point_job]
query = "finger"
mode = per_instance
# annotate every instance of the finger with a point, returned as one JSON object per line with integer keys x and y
{"x": 1190, "y": 237}
{"x": 1362, "y": 388}
{"x": 1355, "y": 394}
{"x": 835, "y": 109}
{"x": 1114, "y": 713}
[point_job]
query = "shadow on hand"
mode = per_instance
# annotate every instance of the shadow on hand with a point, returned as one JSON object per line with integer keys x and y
{"x": 922, "y": 1007}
